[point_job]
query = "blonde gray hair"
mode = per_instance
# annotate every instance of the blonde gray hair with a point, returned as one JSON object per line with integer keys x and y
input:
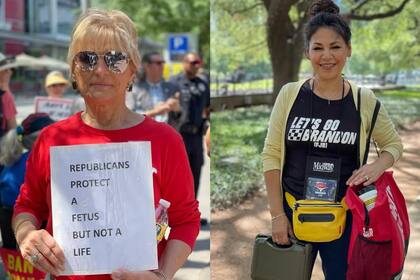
{"x": 98, "y": 29}
{"x": 10, "y": 148}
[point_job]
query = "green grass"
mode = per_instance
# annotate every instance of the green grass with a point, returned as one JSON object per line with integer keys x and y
{"x": 403, "y": 106}
{"x": 258, "y": 84}
{"x": 409, "y": 92}
{"x": 237, "y": 141}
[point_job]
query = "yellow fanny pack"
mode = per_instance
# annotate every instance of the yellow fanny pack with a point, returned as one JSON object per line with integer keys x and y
{"x": 316, "y": 220}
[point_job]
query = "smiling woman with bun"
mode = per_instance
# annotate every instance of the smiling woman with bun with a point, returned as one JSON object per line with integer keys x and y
{"x": 317, "y": 123}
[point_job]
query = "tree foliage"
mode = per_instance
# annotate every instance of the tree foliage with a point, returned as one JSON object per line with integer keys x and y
{"x": 238, "y": 36}
{"x": 388, "y": 45}
{"x": 154, "y": 18}
{"x": 284, "y": 27}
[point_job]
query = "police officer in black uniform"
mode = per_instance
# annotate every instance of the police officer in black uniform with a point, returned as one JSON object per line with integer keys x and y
{"x": 195, "y": 102}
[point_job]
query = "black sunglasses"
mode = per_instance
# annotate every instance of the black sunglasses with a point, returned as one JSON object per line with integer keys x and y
{"x": 158, "y": 62}
{"x": 116, "y": 62}
{"x": 195, "y": 62}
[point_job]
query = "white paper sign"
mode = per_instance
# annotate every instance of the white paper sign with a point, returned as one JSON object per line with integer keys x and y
{"x": 57, "y": 108}
{"x": 103, "y": 207}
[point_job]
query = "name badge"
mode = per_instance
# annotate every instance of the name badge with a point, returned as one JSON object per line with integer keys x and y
{"x": 322, "y": 178}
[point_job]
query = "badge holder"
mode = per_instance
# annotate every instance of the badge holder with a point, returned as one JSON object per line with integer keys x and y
{"x": 322, "y": 177}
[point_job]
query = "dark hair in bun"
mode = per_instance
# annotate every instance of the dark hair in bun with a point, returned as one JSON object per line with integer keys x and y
{"x": 325, "y": 13}
{"x": 323, "y": 6}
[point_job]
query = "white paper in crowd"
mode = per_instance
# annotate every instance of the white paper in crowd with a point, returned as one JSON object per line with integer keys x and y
{"x": 57, "y": 108}
{"x": 103, "y": 207}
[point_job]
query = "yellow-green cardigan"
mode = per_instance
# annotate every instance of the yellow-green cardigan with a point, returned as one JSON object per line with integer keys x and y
{"x": 384, "y": 132}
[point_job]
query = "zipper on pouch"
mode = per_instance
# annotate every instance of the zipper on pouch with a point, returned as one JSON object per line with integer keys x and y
{"x": 297, "y": 205}
{"x": 315, "y": 218}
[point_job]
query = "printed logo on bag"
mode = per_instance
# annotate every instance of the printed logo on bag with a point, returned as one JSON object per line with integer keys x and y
{"x": 394, "y": 212}
{"x": 320, "y": 132}
{"x": 323, "y": 167}
{"x": 367, "y": 233}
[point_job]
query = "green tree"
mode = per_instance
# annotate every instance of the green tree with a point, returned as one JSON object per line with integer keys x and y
{"x": 389, "y": 45}
{"x": 154, "y": 18}
{"x": 237, "y": 38}
{"x": 285, "y": 20}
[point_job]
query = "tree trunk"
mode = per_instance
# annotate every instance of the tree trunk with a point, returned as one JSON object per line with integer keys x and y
{"x": 285, "y": 44}
{"x": 285, "y": 41}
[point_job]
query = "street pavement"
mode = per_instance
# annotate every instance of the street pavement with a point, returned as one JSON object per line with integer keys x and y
{"x": 412, "y": 264}
{"x": 198, "y": 265}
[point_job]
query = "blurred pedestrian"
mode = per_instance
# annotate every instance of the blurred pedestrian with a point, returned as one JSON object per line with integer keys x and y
{"x": 55, "y": 84}
{"x": 153, "y": 96}
{"x": 194, "y": 120}
{"x": 55, "y": 104}
{"x": 16, "y": 145}
{"x": 7, "y": 103}
{"x": 195, "y": 103}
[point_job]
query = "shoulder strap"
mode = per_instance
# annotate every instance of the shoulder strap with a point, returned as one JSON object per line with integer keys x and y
{"x": 372, "y": 126}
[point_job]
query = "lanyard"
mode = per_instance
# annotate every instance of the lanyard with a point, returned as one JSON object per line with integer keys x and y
{"x": 311, "y": 115}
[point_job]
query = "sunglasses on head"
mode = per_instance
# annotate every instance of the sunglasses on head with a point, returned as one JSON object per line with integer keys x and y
{"x": 116, "y": 62}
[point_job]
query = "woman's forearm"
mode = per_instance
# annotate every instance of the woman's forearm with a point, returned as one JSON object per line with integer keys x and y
{"x": 385, "y": 160}
{"x": 22, "y": 224}
{"x": 174, "y": 257}
{"x": 274, "y": 192}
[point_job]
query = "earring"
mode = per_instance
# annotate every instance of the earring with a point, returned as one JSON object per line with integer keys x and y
{"x": 130, "y": 86}
{"x": 74, "y": 85}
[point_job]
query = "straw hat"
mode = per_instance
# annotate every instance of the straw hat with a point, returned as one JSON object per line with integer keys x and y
{"x": 54, "y": 78}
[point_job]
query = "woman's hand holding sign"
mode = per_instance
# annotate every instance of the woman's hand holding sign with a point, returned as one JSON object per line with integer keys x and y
{"x": 38, "y": 246}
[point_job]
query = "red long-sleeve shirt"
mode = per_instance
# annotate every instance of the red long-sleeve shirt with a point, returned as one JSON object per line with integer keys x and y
{"x": 172, "y": 181}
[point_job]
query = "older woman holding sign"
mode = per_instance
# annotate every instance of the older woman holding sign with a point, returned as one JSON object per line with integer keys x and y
{"x": 104, "y": 59}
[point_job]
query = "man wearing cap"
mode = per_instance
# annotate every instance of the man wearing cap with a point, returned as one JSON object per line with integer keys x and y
{"x": 55, "y": 84}
{"x": 153, "y": 96}
{"x": 7, "y": 103}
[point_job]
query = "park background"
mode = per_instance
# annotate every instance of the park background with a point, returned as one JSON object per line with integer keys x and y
{"x": 256, "y": 47}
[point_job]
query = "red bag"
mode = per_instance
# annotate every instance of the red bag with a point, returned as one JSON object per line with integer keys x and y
{"x": 379, "y": 237}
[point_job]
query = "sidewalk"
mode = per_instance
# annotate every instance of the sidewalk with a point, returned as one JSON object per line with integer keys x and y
{"x": 198, "y": 265}
{"x": 412, "y": 265}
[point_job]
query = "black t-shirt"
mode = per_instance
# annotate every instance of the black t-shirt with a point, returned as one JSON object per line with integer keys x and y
{"x": 333, "y": 128}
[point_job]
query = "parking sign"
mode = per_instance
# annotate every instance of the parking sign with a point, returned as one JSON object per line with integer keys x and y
{"x": 178, "y": 44}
